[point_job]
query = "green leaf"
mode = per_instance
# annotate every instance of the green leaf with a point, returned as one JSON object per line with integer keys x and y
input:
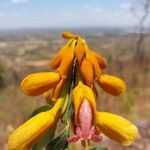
{"x": 45, "y": 139}
{"x": 68, "y": 112}
{"x": 99, "y": 148}
{"x": 59, "y": 143}
{"x": 40, "y": 109}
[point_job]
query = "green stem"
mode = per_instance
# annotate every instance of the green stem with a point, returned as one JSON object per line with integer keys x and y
{"x": 72, "y": 85}
{"x": 87, "y": 148}
{"x": 67, "y": 115}
{"x": 69, "y": 110}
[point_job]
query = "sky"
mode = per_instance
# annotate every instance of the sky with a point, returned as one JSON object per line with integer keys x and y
{"x": 66, "y": 13}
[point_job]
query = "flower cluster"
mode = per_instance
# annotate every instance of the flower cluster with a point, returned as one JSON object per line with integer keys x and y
{"x": 84, "y": 66}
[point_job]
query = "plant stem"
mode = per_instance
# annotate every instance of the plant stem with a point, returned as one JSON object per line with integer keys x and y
{"x": 87, "y": 147}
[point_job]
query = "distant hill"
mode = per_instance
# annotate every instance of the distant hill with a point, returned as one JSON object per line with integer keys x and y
{"x": 53, "y": 32}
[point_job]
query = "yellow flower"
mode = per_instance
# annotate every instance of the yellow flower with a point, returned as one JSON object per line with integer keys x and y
{"x": 79, "y": 50}
{"x": 80, "y": 93}
{"x": 87, "y": 120}
{"x": 63, "y": 60}
{"x": 32, "y": 130}
{"x": 38, "y": 83}
{"x": 51, "y": 83}
{"x": 90, "y": 65}
{"x": 117, "y": 128}
{"x": 89, "y": 62}
{"x": 55, "y": 62}
{"x": 95, "y": 65}
{"x": 77, "y": 47}
{"x": 101, "y": 61}
{"x": 88, "y": 123}
{"x": 87, "y": 73}
{"x": 66, "y": 63}
{"x": 26, "y": 135}
{"x": 68, "y": 35}
{"x": 112, "y": 84}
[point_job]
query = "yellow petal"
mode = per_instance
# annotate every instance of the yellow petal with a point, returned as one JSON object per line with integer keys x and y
{"x": 66, "y": 63}
{"x": 58, "y": 89}
{"x": 80, "y": 93}
{"x": 68, "y": 35}
{"x": 79, "y": 51}
{"x": 87, "y": 72}
{"x": 53, "y": 94}
{"x": 95, "y": 65}
{"x": 38, "y": 83}
{"x": 117, "y": 128}
{"x": 47, "y": 95}
{"x": 56, "y": 60}
{"x": 111, "y": 84}
{"x": 32, "y": 130}
{"x": 94, "y": 91}
{"x": 100, "y": 59}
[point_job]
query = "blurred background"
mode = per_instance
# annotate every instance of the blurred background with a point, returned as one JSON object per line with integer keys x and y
{"x": 30, "y": 36}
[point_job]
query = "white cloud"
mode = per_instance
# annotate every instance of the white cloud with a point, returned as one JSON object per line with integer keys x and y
{"x": 125, "y": 6}
{"x": 96, "y": 15}
{"x": 18, "y": 1}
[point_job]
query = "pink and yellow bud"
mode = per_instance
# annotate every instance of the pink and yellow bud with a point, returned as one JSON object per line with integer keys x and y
{"x": 85, "y": 109}
{"x": 80, "y": 93}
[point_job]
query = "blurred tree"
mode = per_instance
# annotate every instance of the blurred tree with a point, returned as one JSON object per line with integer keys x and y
{"x": 140, "y": 9}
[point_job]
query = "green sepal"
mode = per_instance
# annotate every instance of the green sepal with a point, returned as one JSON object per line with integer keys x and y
{"x": 40, "y": 109}
{"x": 49, "y": 135}
{"x": 99, "y": 148}
{"x": 45, "y": 139}
{"x": 59, "y": 143}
